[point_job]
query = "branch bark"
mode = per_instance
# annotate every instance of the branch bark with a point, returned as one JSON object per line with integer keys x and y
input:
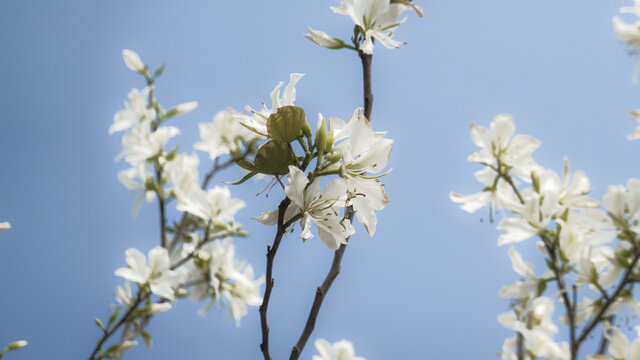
{"x": 271, "y": 254}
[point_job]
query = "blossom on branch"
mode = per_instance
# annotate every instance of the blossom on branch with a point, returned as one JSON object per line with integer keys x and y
{"x": 341, "y": 350}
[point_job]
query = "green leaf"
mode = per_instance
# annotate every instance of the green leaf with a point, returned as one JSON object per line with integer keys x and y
{"x": 542, "y": 286}
{"x": 113, "y": 316}
{"x": 274, "y": 158}
{"x": 244, "y": 178}
{"x": 147, "y": 338}
{"x": 286, "y": 124}
{"x": 158, "y": 72}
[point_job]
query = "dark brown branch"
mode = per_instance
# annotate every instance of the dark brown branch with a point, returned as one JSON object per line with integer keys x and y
{"x": 271, "y": 254}
{"x": 600, "y": 315}
{"x": 163, "y": 215}
{"x": 321, "y": 291}
{"x": 113, "y": 329}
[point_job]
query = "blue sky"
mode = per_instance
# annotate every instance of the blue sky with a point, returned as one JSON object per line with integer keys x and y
{"x": 425, "y": 286}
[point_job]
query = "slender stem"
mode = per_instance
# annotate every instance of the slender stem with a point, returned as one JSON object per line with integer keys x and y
{"x": 366, "y": 82}
{"x": 271, "y": 253}
{"x": 321, "y": 291}
{"x": 604, "y": 341}
{"x": 520, "y": 345}
{"x": 600, "y": 315}
{"x": 161, "y": 203}
{"x": 124, "y": 319}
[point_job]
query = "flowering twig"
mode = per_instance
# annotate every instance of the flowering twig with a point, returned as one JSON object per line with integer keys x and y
{"x": 334, "y": 270}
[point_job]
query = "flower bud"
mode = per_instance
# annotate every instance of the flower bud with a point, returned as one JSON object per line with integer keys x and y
{"x": 328, "y": 145}
{"x": 321, "y": 38}
{"x": 321, "y": 134}
{"x": 186, "y": 108}
{"x": 5, "y": 226}
{"x": 16, "y": 345}
{"x": 133, "y": 61}
{"x": 306, "y": 129}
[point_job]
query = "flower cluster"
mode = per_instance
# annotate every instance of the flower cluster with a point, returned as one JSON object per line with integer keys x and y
{"x": 588, "y": 249}
{"x": 196, "y": 255}
{"x": 373, "y": 19}
{"x": 351, "y": 150}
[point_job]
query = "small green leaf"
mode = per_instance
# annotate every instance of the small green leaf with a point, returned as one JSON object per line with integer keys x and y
{"x": 147, "y": 338}
{"x": 158, "y": 72}
{"x": 542, "y": 286}
{"x": 113, "y": 316}
{"x": 286, "y": 124}
{"x": 244, "y": 178}
{"x": 99, "y": 323}
{"x": 274, "y": 158}
{"x": 111, "y": 350}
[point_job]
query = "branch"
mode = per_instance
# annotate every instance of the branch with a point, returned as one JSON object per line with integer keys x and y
{"x": 600, "y": 315}
{"x": 337, "y": 257}
{"x": 271, "y": 254}
{"x": 321, "y": 291}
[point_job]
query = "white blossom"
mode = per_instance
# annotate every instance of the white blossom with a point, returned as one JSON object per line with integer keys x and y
{"x": 215, "y": 204}
{"x": 341, "y": 350}
{"x": 257, "y": 119}
{"x": 377, "y": 20}
{"x": 136, "y": 110}
{"x": 224, "y": 135}
{"x": 156, "y": 273}
{"x": 141, "y": 144}
{"x": 322, "y": 208}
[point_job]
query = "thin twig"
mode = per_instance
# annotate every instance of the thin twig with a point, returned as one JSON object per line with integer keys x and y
{"x": 271, "y": 253}
{"x": 321, "y": 291}
{"x": 600, "y": 315}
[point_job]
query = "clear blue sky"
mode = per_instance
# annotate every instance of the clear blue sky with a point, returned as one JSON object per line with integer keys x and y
{"x": 425, "y": 287}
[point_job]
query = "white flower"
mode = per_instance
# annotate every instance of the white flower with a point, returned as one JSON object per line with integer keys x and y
{"x": 133, "y": 61}
{"x": 376, "y": 18}
{"x": 619, "y": 348}
{"x": 141, "y": 144}
{"x": 501, "y": 195}
{"x": 157, "y": 273}
{"x": 257, "y": 121}
{"x": 497, "y": 145}
{"x": 363, "y": 152}
{"x": 5, "y": 226}
{"x": 341, "y": 350}
{"x": 128, "y": 177}
{"x": 244, "y": 292}
{"x": 124, "y": 295}
{"x": 215, "y": 205}
{"x": 134, "y": 112}
{"x": 535, "y": 214}
{"x": 182, "y": 172}
{"x": 323, "y": 39}
{"x": 224, "y": 135}
{"x": 321, "y": 208}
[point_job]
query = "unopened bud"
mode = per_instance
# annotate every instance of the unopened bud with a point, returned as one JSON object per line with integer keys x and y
{"x": 186, "y": 107}
{"x": 133, "y": 61}
{"x": 306, "y": 129}
{"x": 329, "y": 142}
{"x": 321, "y": 134}
{"x": 16, "y": 345}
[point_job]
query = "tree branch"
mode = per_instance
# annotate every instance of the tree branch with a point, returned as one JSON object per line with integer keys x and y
{"x": 271, "y": 254}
